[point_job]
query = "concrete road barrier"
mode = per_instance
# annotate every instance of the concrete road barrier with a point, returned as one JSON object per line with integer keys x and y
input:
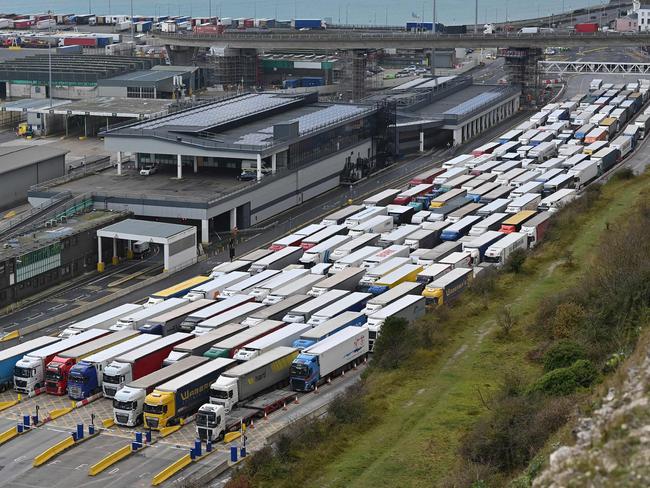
{"x": 55, "y": 450}
{"x": 109, "y": 460}
{"x": 171, "y": 470}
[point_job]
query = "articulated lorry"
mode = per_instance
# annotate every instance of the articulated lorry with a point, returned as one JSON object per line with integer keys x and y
{"x": 29, "y": 372}
{"x": 137, "y": 319}
{"x": 246, "y": 286}
{"x": 303, "y": 312}
{"x": 103, "y": 320}
{"x": 328, "y": 357}
{"x": 201, "y": 344}
{"x": 139, "y": 362}
{"x": 354, "y": 302}
{"x": 170, "y": 322}
{"x": 326, "y": 329}
{"x": 128, "y": 402}
{"x": 348, "y": 280}
{"x": 58, "y": 369}
{"x": 285, "y": 336}
{"x": 297, "y": 286}
{"x": 246, "y": 391}
{"x": 379, "y": 302}
{"x": 409, "y": 307}
{"x": 85, "y": 377}
{"x": 374, "y": 274}
{"x": 448, "y": 287}
{"x": 276, "y": 311}
{"x": 192, "y": 320}
{"x": 213, "y": 288}
{"x": 175, "y": 400}
{"x": 234, "y": 315}
{"x": 261, "y": 291}
{"x": 229, "y": 347}
{"x": 9, "y": 357}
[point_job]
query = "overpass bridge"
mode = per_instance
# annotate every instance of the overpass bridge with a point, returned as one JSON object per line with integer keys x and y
{"x": 346, "y": 40}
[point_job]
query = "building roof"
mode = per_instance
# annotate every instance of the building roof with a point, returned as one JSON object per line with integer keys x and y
{"x": 152, "y": 77}
{"x": 246, "y": 122}
{"x": 160, "y": 230}
{"x": 139, "y": 108}
{"x": 16, "y": 157}
{"x": 79, "y": 69}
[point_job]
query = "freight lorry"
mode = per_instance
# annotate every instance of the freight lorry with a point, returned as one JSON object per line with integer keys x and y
{"x": 139, "y": 362}
{"x": 276, "y": 311}
{"x": 298, "y": 286}
{"x": 355, "y": 259}
{"x": 409, "y": 307}
{"x": 85, "y": 378}
{"x": 58, "y": 369}
{"x": 339, "y": 216}
{"x": 278, "y": 260}
{"x": 303, "y": 312}
{"x": 373, "y": 274}
{"x": 430, "y": 273}
{"x": 354, "y": 302}
{"x": 246, "y": 391}
{"x": 170, "y": 322}
{"x": 348, "y": 279}
{"x": 384, "y": 255}
{"x": 176, "y": 291}
{"x": 501, "y": 250}
{"x": 261, "y": 291}
{"x": 448, "y": 287}
{"x": 137, "y": 319}
{"x": 240, "y": 264}
{"x": 284, "y": 336}
{"x": 181, "y": 397}
{"x": 365, "y": 215}
{"x": 192, "y": 320}
{"x": 321, "y": 252}
{"x": 10, "y": 356}
{"x": 403, "y": 274}
{"x": 227, "y": 348}
{"x": 313, "y": 335}
{"x": 422, "y": 238}
{"x": 199, "y": 345}
{"x": 103, "y": 320}
{"x": 491, "y": 222}
{"x": 233, "y": 315}
{"x": 478, "y": 246}
{"x": 328, "y": 358}
{"x": 583, "y": 173}
{"x": 29, "y": 372}
{"x": 375, "y": 225}
{"x": 379, "y": 302}
{"x": 213, "y": 288}
{"x": 246, "y": 286}
{"x": 355, "y": 244}
{"x": 536, "y": 227}
{"x": 128, "y": 403}
{"x": 440, "y": 252}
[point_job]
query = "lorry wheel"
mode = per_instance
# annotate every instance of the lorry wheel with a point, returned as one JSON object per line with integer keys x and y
{"x": 3, "y": 387}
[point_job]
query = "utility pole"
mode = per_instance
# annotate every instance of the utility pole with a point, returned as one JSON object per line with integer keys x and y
{"x": 49, "y": 56}
{"x": 476, "y": 17}
{"x": 433, "y": 50}
{"x": 132, "y": 25}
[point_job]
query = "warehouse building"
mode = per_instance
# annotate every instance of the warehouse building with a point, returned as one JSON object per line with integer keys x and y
{"x": 74, "y": 76}
{"x": 234, "y": 162}
{"x": 24, "y": 166}
{"x": 160, "y": 82}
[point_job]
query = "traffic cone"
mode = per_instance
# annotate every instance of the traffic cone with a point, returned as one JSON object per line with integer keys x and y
{"x": 252, "y": 425}
{"x": 284, "y": 407}
{"x": 343, "y": 373}
{"x": 316, "y": 389}
{"x": 296, "y": 401}
{"x": 265, "y": 416}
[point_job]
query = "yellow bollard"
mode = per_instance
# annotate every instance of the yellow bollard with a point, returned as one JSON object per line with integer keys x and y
{"x": 101, "y": 267}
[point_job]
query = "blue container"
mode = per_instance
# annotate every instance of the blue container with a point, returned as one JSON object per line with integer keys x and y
{"x": 291, "y": 83}
{"x": 208, "y": 446}
{"x": 233, "y": 454}
{"x": 91, "y": 429}
{"x": 19, "y": 428}
{"x": 138, "y": 437}
{"x": 26, "y": 420}
{"x": 80, "y": 431}
{"x": 242, "y": 452}
{"x": 197, "y": 447}
{"x": 148, "y": 437}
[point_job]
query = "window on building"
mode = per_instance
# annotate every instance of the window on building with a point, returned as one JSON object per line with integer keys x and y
{"x": 148, "y": 93}
{"x": 133, "y": 92}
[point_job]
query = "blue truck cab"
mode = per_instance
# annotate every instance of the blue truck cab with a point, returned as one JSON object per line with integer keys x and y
{"x": 305, "y": 372}
{"x": 83, "y": 381}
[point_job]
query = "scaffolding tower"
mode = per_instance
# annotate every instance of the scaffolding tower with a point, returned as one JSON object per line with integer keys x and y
{"x": 353, "y": 76}
{"x": 230, "y": 68}
{"x": 521, "y": 67}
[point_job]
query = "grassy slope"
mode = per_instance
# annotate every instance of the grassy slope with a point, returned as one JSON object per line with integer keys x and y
{"x": 425, "y": 407}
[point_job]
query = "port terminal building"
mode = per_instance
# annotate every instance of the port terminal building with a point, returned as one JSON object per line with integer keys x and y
{"x": 231, "y": 163}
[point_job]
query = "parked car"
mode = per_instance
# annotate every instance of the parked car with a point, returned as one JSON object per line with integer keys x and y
{"x": 149, "y": 169}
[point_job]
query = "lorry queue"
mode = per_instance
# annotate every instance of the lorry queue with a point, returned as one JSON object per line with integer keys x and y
{"x": 313, "y": 304}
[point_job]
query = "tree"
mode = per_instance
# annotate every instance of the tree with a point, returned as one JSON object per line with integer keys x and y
{"x": 392, "y": 345}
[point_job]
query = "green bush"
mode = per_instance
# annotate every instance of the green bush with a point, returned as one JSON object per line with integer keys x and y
{"x": 563, "y": 354}
{"x": 515, "y": 261}
{"x": 393, "y": 345}
{"x": 564, "y": 381}
{"x": 349, "y": 407}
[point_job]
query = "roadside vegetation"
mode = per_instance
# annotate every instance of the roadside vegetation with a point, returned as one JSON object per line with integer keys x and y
{"x": 470, "y": 396}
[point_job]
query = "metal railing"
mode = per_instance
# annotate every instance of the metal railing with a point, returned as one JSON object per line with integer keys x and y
{"x": 90, "y": 165}
{"x": 11, "y": 224}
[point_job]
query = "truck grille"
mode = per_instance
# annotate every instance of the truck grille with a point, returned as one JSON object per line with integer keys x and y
{"x": 21, "y": 383}
{"x": 121, "y": 418}
{"x": 372, "y": 335}
{"x": 298, "y": 385}
{"x": 110, "y": 392}
{"x": 75, "y": 392}
{"x": 152, "y": 422}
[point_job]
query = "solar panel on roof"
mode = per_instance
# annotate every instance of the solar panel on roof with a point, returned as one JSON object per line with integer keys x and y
{"x": 474, "y": 103}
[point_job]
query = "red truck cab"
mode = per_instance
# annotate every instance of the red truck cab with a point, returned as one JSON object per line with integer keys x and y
{"x": 56, "y": 375}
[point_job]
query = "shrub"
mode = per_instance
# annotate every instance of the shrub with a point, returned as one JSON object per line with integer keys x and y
{"x": 485, "y": 283}
{"x": 393, "y": 345}
{"x": 515, "y": 261}
{"x": 564, "y": 381}
{"x": 505, "y": 321}
{"x": 567, "y": 319}
{"x": 563, "y": 354}
{"x": 349, "y": 407}
{"x": 623, "y": 174}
